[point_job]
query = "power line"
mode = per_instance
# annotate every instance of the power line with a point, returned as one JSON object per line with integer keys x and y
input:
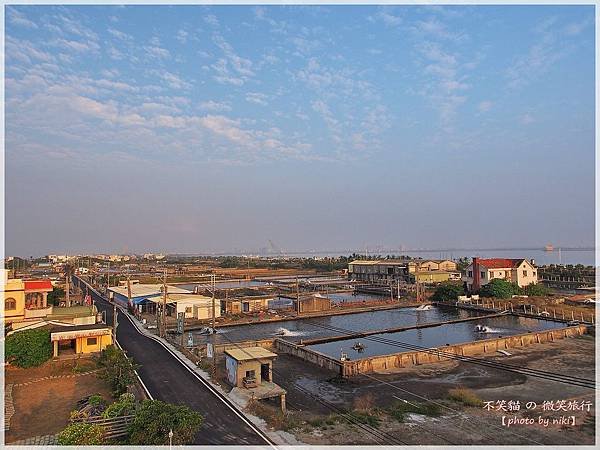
{"x": 383, "y": 437}
{"x": 566, "y": 379}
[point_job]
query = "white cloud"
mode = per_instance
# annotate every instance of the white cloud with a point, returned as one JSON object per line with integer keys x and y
{"x": 433, "y": 28}
{"x": 222, "y": 74}
{"x": 211, "y": 19}
{"x": 76, "y": 46}
{"x": 157, "y": 52}
{"x": 16, "y": 17}
{"x": 550, "y": 45}
{"x": 241, "y": 65}
{"x": 211, "y": 105}
{"x": 73, "y": 26}
{"x": 384, "y": 14}
{"x": 485, "y": 106}
{"x": 182, "y": 36}
{"x": 119, "y": 34}
{"x": 256, "y": 97}
{"x": 172, "y": 80}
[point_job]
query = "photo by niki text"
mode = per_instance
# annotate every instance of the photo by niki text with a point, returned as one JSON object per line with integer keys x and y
{"x": 542, "y": 413}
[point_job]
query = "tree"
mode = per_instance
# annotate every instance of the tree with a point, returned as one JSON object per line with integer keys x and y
{"x": 498, "y": 288}
{"x": 447, "y": 292}
{"x": 28, "y": 348}
{"x": 81, "y": 434}
{"x": 463, "y": 263}
{"x": 55, "y": 296}
{"x": 535, "y": 290}
{"x": 116, "y": 369}
{"x": 154, "y": 419}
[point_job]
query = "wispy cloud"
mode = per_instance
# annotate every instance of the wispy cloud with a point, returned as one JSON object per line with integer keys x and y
{"x": 485, "y": 106}
{"x": 16, "y": 17}
{"x": 211, "y": 105}
{"x": 386, "y": 15}
{"x": 257, "y": 98}
{"x": 551, "y": 44}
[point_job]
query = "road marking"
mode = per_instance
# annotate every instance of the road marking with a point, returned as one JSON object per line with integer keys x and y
{"x": 202, "y": 380}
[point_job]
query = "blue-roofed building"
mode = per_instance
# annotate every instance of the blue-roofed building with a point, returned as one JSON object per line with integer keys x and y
{"x": 142, "y": 293}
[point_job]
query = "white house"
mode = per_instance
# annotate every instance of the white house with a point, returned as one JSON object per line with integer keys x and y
{"x": 481, "y": 271}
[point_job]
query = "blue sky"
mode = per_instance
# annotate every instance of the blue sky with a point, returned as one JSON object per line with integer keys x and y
{"x": 193, "y": 128}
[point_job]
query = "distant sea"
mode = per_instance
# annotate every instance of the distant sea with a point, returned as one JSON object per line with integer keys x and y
{"x": 541, "y": 257}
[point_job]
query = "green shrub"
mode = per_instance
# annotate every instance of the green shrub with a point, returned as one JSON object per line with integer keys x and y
{"x": 154, "y": 419}
{"x": 498, "y": 288}
{"x": 81, "y": 434}
{"x": 464, "y": 396}
{"x": 125, "y": 406}
{"x": 364, "y": 418}
{"x": 116, "y": 369}
{"x": 28, "y": 348}
{"x": 535, "y": 290}
{"x": 96, "y": 400}
{"x": 447, "y": 292}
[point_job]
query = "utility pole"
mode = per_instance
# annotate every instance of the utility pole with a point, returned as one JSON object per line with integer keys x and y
{"x": 297, "y": 296}
{"x": 163, "y": 331}
{"x": 212, "y": 334}
{"x": 67, "y": 287}
{"x": 418, "y": 296}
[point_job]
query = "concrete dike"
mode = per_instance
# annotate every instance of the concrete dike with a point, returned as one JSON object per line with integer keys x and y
{"x": 394, "y": 361}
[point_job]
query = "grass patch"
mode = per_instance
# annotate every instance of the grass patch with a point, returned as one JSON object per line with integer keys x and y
{"x": 399, "y": 410}
{"x": 364, "y": 418}
{"x": 273, "y": 416}
{"x": 464, "y": 396}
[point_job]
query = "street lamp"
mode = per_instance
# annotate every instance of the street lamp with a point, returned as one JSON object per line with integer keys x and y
{"x": 170, "y": 439}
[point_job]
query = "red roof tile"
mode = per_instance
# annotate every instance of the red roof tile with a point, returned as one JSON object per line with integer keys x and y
{"x": 500, "y": 263}
{"x": 34, "y": 285}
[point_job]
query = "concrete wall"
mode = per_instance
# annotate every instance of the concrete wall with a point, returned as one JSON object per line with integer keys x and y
{"x": 387, "y": 363}
{"x": 312, "y": 356}
{"x": 405, "y": 359}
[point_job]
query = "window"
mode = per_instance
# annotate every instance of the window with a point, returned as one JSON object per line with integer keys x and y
{"x": 250, "y": 374}
{"x": 482, "y": 275}
{"x": 524, "y": 273}
{"x": 470, "y": 274}
{"x": 92, "y": 341}
{"x": 533, "y": 273}
{"x": 491, "y": 275}
{"x": 188, "y": 309}
{"x": 10, "y": 304}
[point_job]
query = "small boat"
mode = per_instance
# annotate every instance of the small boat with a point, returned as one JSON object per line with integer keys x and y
{"x": 424, "y": 308}
{"x": 344, "y": 356}
{"x": 359, "y": 347}
{"x": 573, "y": 323}
{"x": 481, "y": 329}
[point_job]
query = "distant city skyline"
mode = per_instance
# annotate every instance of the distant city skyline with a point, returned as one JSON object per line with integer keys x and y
{"x": 198, "y": 129}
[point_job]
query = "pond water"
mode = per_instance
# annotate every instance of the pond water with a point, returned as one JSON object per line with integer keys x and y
{"x": 436, "y": 336}
{"x": 295, "y": 330}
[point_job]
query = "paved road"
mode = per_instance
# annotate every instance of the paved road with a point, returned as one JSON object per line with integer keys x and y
{"x": 168, "y": 380}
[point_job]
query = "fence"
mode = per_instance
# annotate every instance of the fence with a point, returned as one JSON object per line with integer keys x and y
{"x": 114, "y": 427}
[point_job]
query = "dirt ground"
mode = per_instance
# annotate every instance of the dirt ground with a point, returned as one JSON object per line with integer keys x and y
{"x": 43, "y": 407}
{"x": 313, "y": 422}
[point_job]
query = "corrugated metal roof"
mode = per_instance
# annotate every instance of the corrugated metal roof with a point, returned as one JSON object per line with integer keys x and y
{"x": 144, "y": 290}
{"x": 250, "y": 353}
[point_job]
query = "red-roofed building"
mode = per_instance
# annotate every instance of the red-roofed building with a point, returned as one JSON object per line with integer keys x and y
{"x": 481, "y": 271}
{"x": 36, "y": 293}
